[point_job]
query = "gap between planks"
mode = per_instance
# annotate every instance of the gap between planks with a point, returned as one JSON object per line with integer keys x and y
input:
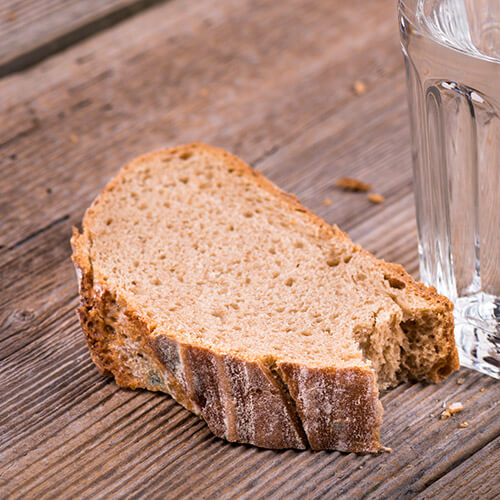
{"x": 28, "y": 44}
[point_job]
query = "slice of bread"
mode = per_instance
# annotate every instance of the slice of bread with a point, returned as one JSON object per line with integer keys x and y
{"x": 200, "y": 278}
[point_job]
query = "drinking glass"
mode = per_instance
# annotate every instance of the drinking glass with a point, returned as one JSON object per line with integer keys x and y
{"x": 452, "y": 55}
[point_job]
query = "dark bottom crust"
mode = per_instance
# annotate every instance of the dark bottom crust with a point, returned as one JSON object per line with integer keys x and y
{"x": 265, "y": 403}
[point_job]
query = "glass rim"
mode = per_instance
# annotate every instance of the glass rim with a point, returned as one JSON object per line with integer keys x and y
{"x": 411, "y": 12}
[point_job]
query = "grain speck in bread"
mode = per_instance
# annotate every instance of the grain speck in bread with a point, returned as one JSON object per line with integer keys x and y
{"x": 200, "y": 278}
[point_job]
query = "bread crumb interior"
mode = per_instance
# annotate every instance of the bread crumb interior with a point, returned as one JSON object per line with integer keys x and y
{"x": 214, "y": 260}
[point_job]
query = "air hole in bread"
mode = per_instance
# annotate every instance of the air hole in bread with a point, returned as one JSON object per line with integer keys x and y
{"x": 395, "y": 282}
{"x": 333, "y": 261}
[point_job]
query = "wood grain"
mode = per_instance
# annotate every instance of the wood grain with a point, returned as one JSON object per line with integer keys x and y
{"x": 33, "y": 30}
{"x": 275, "y": 86}
{"x": 472, "y": 478}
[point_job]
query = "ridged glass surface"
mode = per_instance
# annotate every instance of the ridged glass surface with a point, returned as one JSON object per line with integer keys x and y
{"x": 452, "y": 54}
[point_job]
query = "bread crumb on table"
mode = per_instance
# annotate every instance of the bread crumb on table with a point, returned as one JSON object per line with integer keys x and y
{"x": 460, "y": 381}
{"x": 326, "y": 201}
{"x": 359, "y": 87}
{"x": 376, "y": 198}
{"x": 451, "y": 410}
{"x": 351, "y": 184}
{"x": 11, "y": 16}
{"x": 464, "y": 425}
{"x": 455, "y": 408}
{"x": 73, "y": 138}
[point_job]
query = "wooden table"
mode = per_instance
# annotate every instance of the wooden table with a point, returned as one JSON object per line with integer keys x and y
{"x": 88, "y": 85}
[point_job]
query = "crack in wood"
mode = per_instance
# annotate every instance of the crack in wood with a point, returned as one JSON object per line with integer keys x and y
{"x": 24, "y": 60}
{"x": 453, "y": 465}
{"x": 38, "y": 232}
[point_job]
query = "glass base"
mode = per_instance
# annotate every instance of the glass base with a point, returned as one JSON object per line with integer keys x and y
{"x": 477, "y": 333}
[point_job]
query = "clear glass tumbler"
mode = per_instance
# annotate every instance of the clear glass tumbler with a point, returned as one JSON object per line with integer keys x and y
{"x": 452, "y": 55}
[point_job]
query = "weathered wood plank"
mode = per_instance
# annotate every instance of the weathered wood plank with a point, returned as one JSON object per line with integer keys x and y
{"x": 33, "y": 30}
{"x": 280, "y": 95}
{"x": 472, "y": 478}
{"x": 151, "y": 457}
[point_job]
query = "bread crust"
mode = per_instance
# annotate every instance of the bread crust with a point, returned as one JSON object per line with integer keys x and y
{"x": 266, "y": 403}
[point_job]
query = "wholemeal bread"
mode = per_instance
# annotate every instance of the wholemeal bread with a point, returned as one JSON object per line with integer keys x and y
{"x": 200, "y": 278}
